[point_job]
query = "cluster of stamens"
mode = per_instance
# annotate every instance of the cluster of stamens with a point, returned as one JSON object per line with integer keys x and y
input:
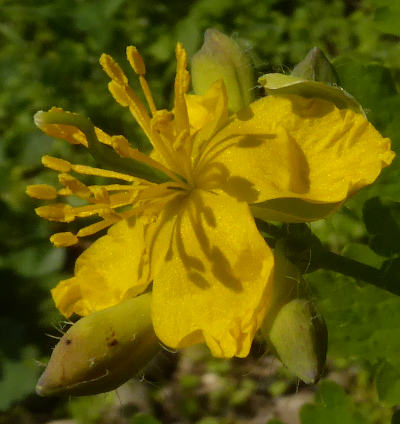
{"x": 169, "y": 133}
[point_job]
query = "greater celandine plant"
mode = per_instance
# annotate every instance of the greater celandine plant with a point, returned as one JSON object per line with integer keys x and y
{"x": 183, "y": 261}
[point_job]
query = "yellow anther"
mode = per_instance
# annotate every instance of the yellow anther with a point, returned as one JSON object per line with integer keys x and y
{"x": 56, "y": 164}
{"x": 179, "y": 141}
{"x": 136, "y": 60}
{"x": 112, "y": 69}
{"x": 137, "y": 63}
{"x": 59, "y": 212}
{"x": 100, "y": 194}
{"x": 102, "y": 136}
{"x": 64, "y": 239}
{"x": 119, "y": 93}
{"x": 182, "y": 80}
{"x": 161, "y": 120}
{"x": 121, "y": 145}
{"x": 42, "y": 191}
{"x": 77, "y": 187}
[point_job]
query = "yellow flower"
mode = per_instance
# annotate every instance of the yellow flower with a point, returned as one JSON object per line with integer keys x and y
{"x": 193, "y": 235}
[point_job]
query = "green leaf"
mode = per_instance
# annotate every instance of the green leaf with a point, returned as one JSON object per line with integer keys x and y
{"x": 391, "y": 272}
{"x": 388, "y": 384}
{"x": 362, "y": 253}
{"x": 387, "y": 16}
{"x": 382, "y": 220}
{"x": 142, "y": 418}
{"x": 363, "y": 321}
{"x": 332, "y": 406}
{"x": 18, "y": 378}
{"x": 36, "y": 261}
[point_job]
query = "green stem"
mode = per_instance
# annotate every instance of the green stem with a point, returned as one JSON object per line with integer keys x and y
{"x": 350, "y": 267}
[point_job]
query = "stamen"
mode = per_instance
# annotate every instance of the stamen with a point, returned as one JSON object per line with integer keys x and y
{"x": 64, "y": 239}
{"x": 137, "y": 63}
{"x": 89, "y": 170}
{"x": 113, "y": 70}
{"x": 42, "y": 191}
{"x": 59, "y": 212}
{"x": 182, "y": 81}
{"x": 180, "y": 139}
{"x": 96, "y": 227}
{"x": 56, "y": 164}
{"x": 75, "y": 186}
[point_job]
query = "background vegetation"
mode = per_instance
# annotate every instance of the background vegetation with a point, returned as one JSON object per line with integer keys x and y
{"x": 49, "y": 56}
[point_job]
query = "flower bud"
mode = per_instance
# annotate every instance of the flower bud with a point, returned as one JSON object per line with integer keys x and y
{"x": 292, "y": 326}
{"x": 299, "y": 337}
{"x": 316, "y": 67}
{"x": 220, "y": 57}
{"x": 101, "y": 351}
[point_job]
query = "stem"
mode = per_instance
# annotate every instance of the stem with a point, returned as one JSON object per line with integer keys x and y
{"x": 350, "y": 267}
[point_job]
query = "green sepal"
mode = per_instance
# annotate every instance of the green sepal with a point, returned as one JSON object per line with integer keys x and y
{"x": 220, "y": 57}
{"x": 101, "y": 351}
{"x": 281, "y": 84}
{"x": 102, "y": 154}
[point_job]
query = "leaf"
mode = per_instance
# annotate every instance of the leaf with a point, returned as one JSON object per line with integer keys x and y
{"x": 387, "y": 16}
{"x": 36, "y": 261}
{"x": 387, "y": 382}
{"x": 142, "y": 418}
{"x": 363, "y": 321}
{"x": 331, "y": 406}
{"x": 362, "y": 253}
{"x": 18, "y": 378}
{"x": 382, "y": 220}
{"x": 391, "y": 272}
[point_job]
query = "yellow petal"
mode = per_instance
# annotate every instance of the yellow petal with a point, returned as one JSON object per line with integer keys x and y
{"x": 113, "y": 268}
{"x": 292, "y": 147}
{"x": 214, "y": 283}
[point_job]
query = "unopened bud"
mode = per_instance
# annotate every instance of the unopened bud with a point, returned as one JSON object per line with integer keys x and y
{"x": 220, "y": 57}
{"x": 292, "y": 326}
{"x": 316, "y": 67}
{"x": 299, "y": 337}
{"x": 101, "y": 351}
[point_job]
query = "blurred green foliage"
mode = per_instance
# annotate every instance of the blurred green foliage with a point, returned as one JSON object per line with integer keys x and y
{"x": 49, "y": 56}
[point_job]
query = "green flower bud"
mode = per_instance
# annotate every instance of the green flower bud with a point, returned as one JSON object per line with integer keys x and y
{"x": 101, "y": 351}
{"x": 220, "y": 57}
{"x": 299, "y": 337}
{"x": 292, "y": 327}
{"x": 314, "y": 76}
{"x": 316, "y": 67}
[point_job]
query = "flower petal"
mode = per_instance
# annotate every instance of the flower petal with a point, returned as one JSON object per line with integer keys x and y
{"x": 214, "y": 284}
{"x": 293, "y": 147}
{"x": 113, "y": 268}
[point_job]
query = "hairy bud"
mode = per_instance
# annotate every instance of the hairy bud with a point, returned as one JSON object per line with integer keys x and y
{"x": 101, "y": 351}
{"x": 220, "y": 57}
